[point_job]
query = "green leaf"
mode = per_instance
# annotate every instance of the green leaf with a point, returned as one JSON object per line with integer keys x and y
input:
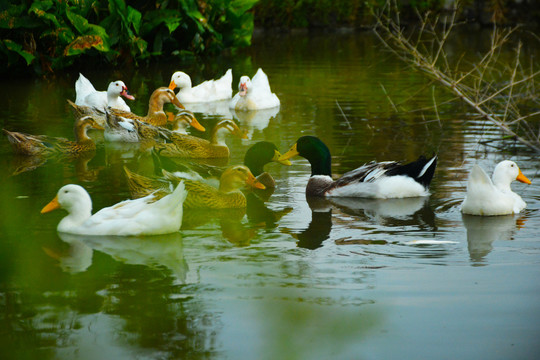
{"x": 40, "y": 8}
{"x": 134, "y": 19}
{"x": 18, "y": 49}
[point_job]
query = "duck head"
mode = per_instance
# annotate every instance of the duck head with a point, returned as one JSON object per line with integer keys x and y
{"x": 507, "y": 171}
{"x": 244, "y": 85}
{"x": 315, "y": 151}
{"x": 72, "y": 198}
{"x": 224, "y": 128}
{"x": 261, "y": 154}
{"x": 236, "y": 177}
{"x": 183, "y": 119}
{"x": 160, "y": 97}
{"x": 180, "y": 79}
{"x": 118, "y": 88}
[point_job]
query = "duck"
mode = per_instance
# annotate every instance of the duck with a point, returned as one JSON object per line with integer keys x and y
{"x": 381, "y": 180}
{"x": 200, "y": 195}
{"x": 32, "y": 145}
{"x": 79, "y": 111}
{"x": 207, "y": 91}
{"x": 124, "y": 129}
{"x": 256, "y": 157}
{"x": 144, "y": 216}
{"x": 188, "y": 146}
{"x": 156, "y": 115}
{"x": 87, "y": 95}
{"x": 490, "y": 197}
{"x": 254, "y": 94}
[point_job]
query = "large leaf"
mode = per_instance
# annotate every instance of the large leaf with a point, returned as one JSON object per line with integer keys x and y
{"x": 85, "y": 42}
{"x": 134, "y": 19}
{"x": 170, "y": 18}
{"x": 18, "y": 49}
{"x": 40, "y": 8}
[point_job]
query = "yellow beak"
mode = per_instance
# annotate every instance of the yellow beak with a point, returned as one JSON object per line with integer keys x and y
{"x": 53, "y": 205}
{"x": 523, "y": 178}
{"x": 254, "y": 183}
{"x": 289, "y": 154}
{"x": 172, "y": 85}
{"x": 277, "y": 156}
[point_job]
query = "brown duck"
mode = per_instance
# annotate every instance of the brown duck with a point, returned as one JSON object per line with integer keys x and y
{"x": 156, "y": 115}
{"x": 200, "y": 195}
{"x": 188, "y": 146}
{"x": 26, "y": 144}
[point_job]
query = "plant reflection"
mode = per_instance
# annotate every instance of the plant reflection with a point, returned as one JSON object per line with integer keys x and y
{"x": 482, "y": 231}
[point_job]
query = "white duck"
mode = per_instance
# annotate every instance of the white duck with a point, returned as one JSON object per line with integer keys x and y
{"x": 207, "y": 91}
{"x": 87, "y": 95}
{"x": 142, "y": 216}
{"x": 254, "y": 94}
{"x": 486, "y": 197}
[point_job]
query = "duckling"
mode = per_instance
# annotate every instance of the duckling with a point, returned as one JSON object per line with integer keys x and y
{"x": 188, "y": 146}
{"x": 486, "y": 197}
{"x": 200, "y": 195}
{"x": 30, "y": 145}
{"x": 156, "y": 115}
{"x": 382, "y": 180}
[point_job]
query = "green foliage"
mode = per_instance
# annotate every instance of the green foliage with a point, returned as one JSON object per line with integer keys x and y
{"x": 49, "y": 35}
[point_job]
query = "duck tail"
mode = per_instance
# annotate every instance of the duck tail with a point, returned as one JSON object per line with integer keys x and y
{"x": 427, "y": 170}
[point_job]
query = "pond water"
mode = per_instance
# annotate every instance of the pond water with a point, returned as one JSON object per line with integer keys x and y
{"x": 288, "y": 278}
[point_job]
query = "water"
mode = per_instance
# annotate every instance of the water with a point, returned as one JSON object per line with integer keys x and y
{"x": 409, "y": 278}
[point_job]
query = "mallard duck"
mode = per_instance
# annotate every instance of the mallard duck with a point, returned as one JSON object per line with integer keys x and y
{"x": 208, "y": 91}
{"x": 256, "y": 157}
{"x": 156, "y": 115}
{"x": 188, "y": 146}
{"x": 87, "y": 95}
{"x": 200, "y": 195}
{"x": 144, "y": 216}
{"x": 26, "y": 144}
{"x": 254, "y": 94}
{"x": 486, "y": 197}
{"x": 381, "y": 180}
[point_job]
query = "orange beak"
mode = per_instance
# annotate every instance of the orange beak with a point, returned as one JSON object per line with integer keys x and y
{"x": 523, "y": 178}
{"x": 177, "y": 102}
{"x": 53, "y": 205}
{"x": 197, "y": 125}
{"x": 254, "y": 183}
{"x": 172, "y": 85}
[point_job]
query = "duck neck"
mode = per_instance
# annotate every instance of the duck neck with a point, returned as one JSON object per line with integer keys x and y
{"x": 81, "y": 134}
{"x": 76, "y": 216}
{"x": 155, "y": 106}
{"x": 218, "y": 137}
{"x": 321, "y": 163}
{"x": 254, "y": 165}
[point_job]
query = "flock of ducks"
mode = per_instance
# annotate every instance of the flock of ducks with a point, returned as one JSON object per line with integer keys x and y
{"x": 158, "y": 202}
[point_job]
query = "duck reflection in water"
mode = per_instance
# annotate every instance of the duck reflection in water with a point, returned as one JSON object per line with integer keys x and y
{"x": 255, "y": 119}
{"x": 414, "y": 211}
{"x": 482, "y": 231}
{"x": 151, "y": 251}
{"x": 319, "y": 227}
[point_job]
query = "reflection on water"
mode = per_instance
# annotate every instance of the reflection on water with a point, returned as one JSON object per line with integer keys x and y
{"x": 482, "y": 231}
{"x": 255, "y": 119}
{"x": 319, "y": 227}
{"x": 414, "y": 211}
{"x": 163, "y": 250}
